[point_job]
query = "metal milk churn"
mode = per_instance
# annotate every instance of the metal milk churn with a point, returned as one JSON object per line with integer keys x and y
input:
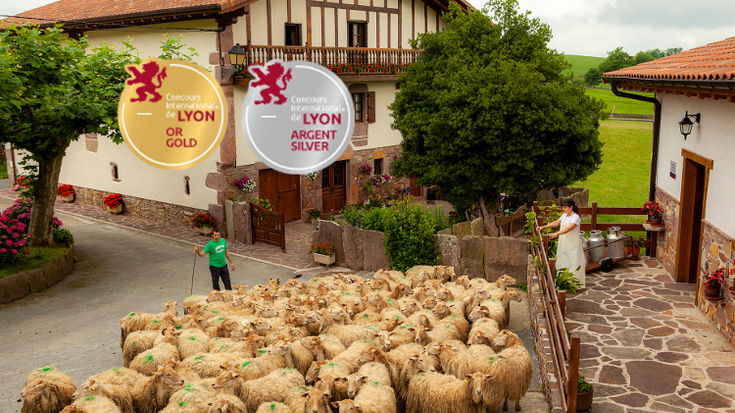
{"x": 597, "y": 245}
{"x": 585, "y": 248}
{"x": 615, "y": 244}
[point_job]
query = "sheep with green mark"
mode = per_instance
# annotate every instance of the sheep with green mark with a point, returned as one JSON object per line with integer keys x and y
{"x": 95, "y": 387}
{"x": 226, "y": 403}
{"x": 148, "y": 361}
{"x": 139, "y": 321}
{"x": 273, "y": 387}
{"x": 46, "y": 390}
{"x": 209, "y": 365}
{"x": 152, "y": 394}
{"x": 92, "y": 404}
{"x": 274, "y": 407}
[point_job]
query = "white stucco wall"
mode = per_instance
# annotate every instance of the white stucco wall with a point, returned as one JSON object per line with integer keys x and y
{"x": 712, "y": 138}
{"x": 92, "y": 170}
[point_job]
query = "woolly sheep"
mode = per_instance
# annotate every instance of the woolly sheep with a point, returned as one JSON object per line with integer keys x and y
{"x": 393, "y": 361}
{"x": 148, "y": 361}
{"x": 139, "y": 321}
{"x": 47, "y": 390}
{"x": 119, "y": 376}
{"x": 373, "y": 397}
{"x": 482, "y": 330}
{"x": 368, "y": 373}
{"x": 273, "y": 387}
{"x": 349, "y": 334}
{"x": 499, "y": 306}
{"x": 254, "y": 368}
{"x": 440, "y": 393}
{"x": 512, "y": 369}
{"x": 226, "y": 403}
{"x": 209, "y": 365}
{"x": 442, "y": 332}
{"x": 189, "y": 375}
{"x": 313, "y": 401}
{"x": 191, "y": 342}
{"x": 151, "y": 394}
{"x": 119, "y": 394}
{"x": 482, "y": 393}
{"x": 92, "y": 404}
{"x": 274, "y": 407}
{"x": 294, "y": 354}
{"x": 137, "y": 342}
{"x": 192, "y": 396}
{"x": 460, "y": 363}
{"x": 325, "y": 347}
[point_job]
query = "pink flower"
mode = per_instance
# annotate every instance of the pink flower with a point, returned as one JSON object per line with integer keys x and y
{"x": 14, "y": 252}
{"x": 3, "y": 250}
{"x": 21, "y": 242}
{"x": 8, "y": 242}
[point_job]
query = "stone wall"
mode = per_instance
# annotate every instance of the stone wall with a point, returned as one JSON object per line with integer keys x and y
{"x": 358, "y": 181}
{"x": 717, "y": 251}
{"x": 470, "y": 254}
{"x": 581, "y": 196}
{"x": 145, "y": 208}
{"x": 18, "y": 285}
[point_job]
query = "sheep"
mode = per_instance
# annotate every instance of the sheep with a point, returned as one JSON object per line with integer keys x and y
{"x": 373, "y": 397}
{"x": 481, "y": 385}
{"x": 120, "y": 395}
{"x": 191, "y": 397}
{"x": 295, "y": 355}
{"x": 484, "y": 329}
{"x": 325, "y": 347}
{"x": 189, "y": 375}
{"x": 255, "y": 368}
{"x": 92, "y": 404}
{"x": 512, "y": 369}
{"x": 313, "y": 401}
{"x": 217, "y": 295}
{"x": 444, "y": 294}
{"x": 274, "y": 407}
{"x": 151, "y": 394}
{"x": 499, "y": 305}
{"x": 443, "y": 313}
{"x": 393, "y": 361}
{"x": 148, "y": 361}
{"x": 226, "y": 403}
{"x": 118, "y": 376}
{"x": 239, "y": 346}
{"x": 191, "y": 342}
{"x": 139, "y": 321}
{"x": 460, "y": 363}
{"x": 192, "y": 303}
{"x": 137, "y": 342}
{"x": 440, "y": 393}
{"x": 349, "y": 334}
{"x": 47, "y": 390}
{"x": 209, "y": 365}
{"x": 369, "y": 373}
{"x": 442, "y": 332}
{"x": 272, "y": 387}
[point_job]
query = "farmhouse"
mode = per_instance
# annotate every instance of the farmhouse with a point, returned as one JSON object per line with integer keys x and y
{"x": 366, "y": 42}
{"x": 691, "y": 173}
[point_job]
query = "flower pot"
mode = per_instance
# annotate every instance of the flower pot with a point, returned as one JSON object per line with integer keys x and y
{"x": 116, "y": 210}
{"x": 634, "y": 252}
{"x": 654, "y": 221}
{"x": 68, "y": 198}
{"x": 712, "y": 293}
{"x": 204, "y": 230}
{"x": 324, "y": 259}
{"x": 584, "y": 401}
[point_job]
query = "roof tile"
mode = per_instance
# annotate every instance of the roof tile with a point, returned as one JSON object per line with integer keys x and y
{"x": 714, "y": 61}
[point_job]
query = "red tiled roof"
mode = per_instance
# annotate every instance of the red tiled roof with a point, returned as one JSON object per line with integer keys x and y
{"x": 107, "y": 10}
{"x": 711, "y": 62}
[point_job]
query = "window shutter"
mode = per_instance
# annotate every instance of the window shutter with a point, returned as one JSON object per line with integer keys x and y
{"x": 371, "y": 107}
{"x": 298, "y": 33}
{"x": 349, "y": 35}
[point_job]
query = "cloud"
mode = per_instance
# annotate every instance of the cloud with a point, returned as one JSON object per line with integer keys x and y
{"x": 679, "y": 14}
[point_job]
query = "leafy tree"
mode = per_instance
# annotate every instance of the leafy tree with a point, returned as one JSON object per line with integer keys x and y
{"x": 593, "y": 77}
{"x": 616, "y": 60}
{"x": 51, "y": 91}
{"x": 487, "y": 109}
{"x": 642, "y": 57}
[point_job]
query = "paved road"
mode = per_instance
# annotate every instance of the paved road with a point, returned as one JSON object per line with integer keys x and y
{"x": 74, "y": 325}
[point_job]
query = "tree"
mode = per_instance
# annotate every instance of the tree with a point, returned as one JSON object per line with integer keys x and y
{"x": 486, "y": 109}
{"x": 616, "y": 60}
{"x": 593, "y": 77}
{"x": 642, "y": 57}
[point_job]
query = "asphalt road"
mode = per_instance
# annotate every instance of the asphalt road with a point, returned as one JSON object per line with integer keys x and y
{"x": 74, "y": 325}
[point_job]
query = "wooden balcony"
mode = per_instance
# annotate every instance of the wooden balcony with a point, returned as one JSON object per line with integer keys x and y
{"x": 350, "y": 63}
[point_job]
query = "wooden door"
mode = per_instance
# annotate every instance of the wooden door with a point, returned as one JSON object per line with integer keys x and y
{"x": 283, "y": 192}
{"x": 334, "y": 187}
{"x": 690, "y": 221}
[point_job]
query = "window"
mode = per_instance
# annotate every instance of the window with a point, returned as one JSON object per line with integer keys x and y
{"x": 115, "y": 172}
{"x": 358, "y": 99}
{"x": 187, "y": 189}
{"x": 356, "y": 34}
{"x": 378, "y": 166}
{"x": 293, "y": 34}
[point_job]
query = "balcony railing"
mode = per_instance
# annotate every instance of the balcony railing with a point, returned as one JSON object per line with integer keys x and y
{"x": 350, "y": 60}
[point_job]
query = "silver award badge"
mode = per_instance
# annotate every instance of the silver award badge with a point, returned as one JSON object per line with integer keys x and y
{"x": 298, "y": 117}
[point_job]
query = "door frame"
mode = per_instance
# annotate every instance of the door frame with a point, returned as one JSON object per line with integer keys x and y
{"x": 691, "y": 158}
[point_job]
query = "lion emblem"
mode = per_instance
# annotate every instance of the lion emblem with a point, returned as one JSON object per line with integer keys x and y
{"x": 150, "y": 72}
{"x": 270, "y": 79}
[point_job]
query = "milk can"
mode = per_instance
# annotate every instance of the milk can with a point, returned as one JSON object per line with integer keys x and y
{"x": 615, "y": 244}
{"x": 597, "y": 245}
{"x": 585, "y": 248}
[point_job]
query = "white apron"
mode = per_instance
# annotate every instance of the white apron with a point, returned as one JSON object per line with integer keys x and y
{"x": 569, "y": 253}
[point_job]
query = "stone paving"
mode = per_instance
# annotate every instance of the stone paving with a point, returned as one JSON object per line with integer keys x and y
{"x": 298, "y": 235}
{"x": 646, "y": 347}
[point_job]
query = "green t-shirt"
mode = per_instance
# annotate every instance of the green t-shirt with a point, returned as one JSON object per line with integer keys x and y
{"x": 216, "y": 251}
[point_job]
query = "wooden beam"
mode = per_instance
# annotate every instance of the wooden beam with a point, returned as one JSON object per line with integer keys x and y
{"x": 389, "y": 38}
{"x": 308, "y": 25}
{"x": 400, "y": 24}
{"x": 426, "y": 19}
{"x": 324, "y": 40}
{"x": 355, "y": 7}
{"x": 377, "y": 29}
{"x": 336, "y": 27}
{"x": 270, "y": 35}
{"x": 248, "y": 29}
{"x": 288, "y": 11}
{"x": 413, "y": 18}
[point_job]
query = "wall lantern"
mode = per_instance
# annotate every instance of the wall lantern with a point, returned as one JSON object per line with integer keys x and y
{"x": 237, "y": 57}
{"x": 685, "y": 126}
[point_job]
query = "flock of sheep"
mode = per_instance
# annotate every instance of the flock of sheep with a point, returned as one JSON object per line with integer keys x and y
{"x": 342, "y": 342}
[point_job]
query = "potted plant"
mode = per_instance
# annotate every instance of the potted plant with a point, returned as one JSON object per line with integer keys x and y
{"x": 114, "y": 203}
{"x": 65, "y": 193}
{"x": 585, "y": 392}
{"x": 313, "y": 214}
{"x": 653, "y": 210}
{"x": 246, "y": 184}
{"x": 633, "y": 245}
{"x": 204, "y": 223}
{"x": 323, "y": 253}
{"x": 712, "y": 284}
{"x": 365, "y": 169}
{"x": 567, "y": 281}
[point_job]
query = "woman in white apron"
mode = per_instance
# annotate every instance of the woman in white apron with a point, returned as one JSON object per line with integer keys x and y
{"x": 569, "y": 253}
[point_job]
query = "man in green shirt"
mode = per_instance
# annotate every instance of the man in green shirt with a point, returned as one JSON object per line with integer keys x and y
{"x": 218, "y": 251}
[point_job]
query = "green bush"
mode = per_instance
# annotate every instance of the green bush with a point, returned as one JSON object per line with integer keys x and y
{"x": 62, "y": 236}
{"x": 409, "y": 232}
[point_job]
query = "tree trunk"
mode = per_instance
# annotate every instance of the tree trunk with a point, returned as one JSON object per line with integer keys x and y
{"x": 44, "y": 196}
{"x": 489, "y": 221}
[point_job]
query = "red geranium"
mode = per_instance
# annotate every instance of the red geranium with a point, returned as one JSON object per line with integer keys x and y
{"x": 65, "y": 190}
{"x": 113, "y": 200}
{"x": 324, "y": 249}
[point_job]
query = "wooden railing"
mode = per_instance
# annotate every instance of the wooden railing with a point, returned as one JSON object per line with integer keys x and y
{"x": 353, "y": 59}
{"x": 514, "y": 225}
{"x": 268, "y": 227}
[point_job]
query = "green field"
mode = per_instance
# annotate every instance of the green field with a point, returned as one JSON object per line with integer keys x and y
{"x": 581, "y": 64}
{"x": 622, "y": 180}
{"x": 622, "y": 105}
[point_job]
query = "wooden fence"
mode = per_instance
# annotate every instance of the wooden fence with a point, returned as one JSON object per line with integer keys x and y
{"x": 513, "y": 225}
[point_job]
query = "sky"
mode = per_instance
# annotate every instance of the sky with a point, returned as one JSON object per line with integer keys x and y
{"x": 595, "y": 27}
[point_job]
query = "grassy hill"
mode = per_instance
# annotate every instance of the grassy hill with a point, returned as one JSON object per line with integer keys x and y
{"x": 581, "y": 64}
{"x": 622, "y": 105}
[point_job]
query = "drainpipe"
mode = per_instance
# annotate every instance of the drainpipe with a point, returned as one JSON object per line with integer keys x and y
{"x": 656, "y": 133}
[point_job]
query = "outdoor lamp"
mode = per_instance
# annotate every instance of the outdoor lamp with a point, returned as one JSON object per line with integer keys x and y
{"x": 237, "y": 57}
{"x": 685, "y": 126}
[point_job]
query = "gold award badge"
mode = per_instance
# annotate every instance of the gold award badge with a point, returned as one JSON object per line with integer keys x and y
{"x": 172, "y": 113}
